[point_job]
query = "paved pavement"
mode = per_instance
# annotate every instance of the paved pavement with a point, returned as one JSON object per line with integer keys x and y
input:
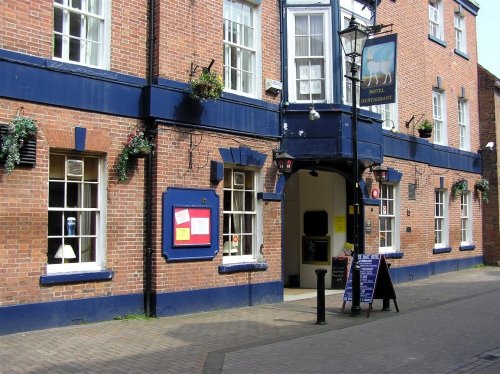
{"x": 448, "y": 323}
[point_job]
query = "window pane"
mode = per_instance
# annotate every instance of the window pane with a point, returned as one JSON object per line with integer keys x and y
{"x": 91, "y": 169}
{"x": 73, "y": 199}
{"x": 58, "y": 20}
{"x": 74, "y": 50}
{"x": 75, "y": 25}
{"x": 55, "y": 226}
{"x": 87, "y": 223}
{"x": 56, "y": 194}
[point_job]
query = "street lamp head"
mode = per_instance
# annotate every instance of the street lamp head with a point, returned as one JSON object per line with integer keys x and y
{"x": 353, "y": 38}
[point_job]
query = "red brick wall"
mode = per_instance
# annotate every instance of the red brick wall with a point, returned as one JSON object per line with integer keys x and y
{"x": 420, "y": 61}
{"x": 26, "y": 26}
{"x": 23, "y": 216}
{"x": 489, "y": 116}
{"x": 173, "y": 171}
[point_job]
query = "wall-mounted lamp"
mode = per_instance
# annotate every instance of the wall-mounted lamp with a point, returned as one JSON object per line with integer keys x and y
{"x": 313, "y": 115}
{"x": 283, "y": 161}
{"x": 380, "y": 173}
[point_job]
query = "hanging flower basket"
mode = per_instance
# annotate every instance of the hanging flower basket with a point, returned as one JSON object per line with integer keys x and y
{"x": 208, "y": 85}
{"x": 21, "y": 129}
{"x": 425, "y": 129}
{"x": 459, "y": 187}
{"x": 136, "y": 146}
{"x": 482, "y": 185}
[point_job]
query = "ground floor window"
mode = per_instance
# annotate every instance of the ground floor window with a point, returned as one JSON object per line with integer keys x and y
{"x": 75, "y": 213}
{"x": 465, "y": 219}
{"x": 440, "y": 219}
{"x": 387, "y": 218}
{"x": 241, "y": 222}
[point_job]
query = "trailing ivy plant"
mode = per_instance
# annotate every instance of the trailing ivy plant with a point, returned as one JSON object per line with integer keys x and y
{"x": 483, "y": 186}
{"x": 459, "y": 187}
{"x": 21, "y": 128}
{"x": 135, "y": 146}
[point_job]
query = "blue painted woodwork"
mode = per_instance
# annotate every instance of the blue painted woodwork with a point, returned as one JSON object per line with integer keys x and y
{"x": 269, "y": 196}
{"x": 80, "y": 136}
{"x": 216, "y": 171}
{"x": 393, "y": 175}
{"x": 45, "y": 81}
{"x": 76, "y": 277}
{"x": 469, "y": 5}
{"x": 330, "y": 138}
{"x": 441, "y": 250}
{"x": 171, "y": 101}
{"x": 189, "y": 198}
{"x": 242, "y": 156}
{"x": 244, "y": 266}
{"x": 175, "y": 303}
{"x": 467, "y": 248}
{"x": 37, "y": 316}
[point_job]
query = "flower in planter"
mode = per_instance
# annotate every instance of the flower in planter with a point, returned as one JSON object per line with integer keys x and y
{"x": 460, "y": 186}
{"x": 208, "y": 85}
{"x": 483, "y": 186}
{"x": 21, "y": 128}
{"x": 425, "y": 129}
{"x": 136, "y": 146}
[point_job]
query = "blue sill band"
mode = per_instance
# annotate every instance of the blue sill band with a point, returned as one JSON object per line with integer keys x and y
{"x": 394, "y": 255}
{"x": 461, "y": 54}
{"x": 441, "y": 250}
{"x": 246, "y": 266}
{"x": 77, "y": 277}
{"x": 467, "y": 247}
{"x": 442, "y": 43}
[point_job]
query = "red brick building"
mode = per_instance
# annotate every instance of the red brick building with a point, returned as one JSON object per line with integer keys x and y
{"x": 205, "y": 220}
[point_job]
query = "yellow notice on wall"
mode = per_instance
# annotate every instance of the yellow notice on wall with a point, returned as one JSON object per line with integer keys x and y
{"x": 183, "y": 233}
{"x": 339, "y": 223}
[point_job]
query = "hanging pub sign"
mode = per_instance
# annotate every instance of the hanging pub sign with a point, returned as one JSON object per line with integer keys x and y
{"x": 378, "y": 71}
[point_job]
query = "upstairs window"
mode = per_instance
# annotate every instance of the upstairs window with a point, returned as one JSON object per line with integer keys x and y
{"x": 240, "y": 51}
{"x": 463, "y": 125}
{"x": 436, "y": 19}
{"x": 308, "y": 48}
{"x": 439, "y": 117}
{"x": 75, "y": 237}
{"x": 460, "y": 41}
{"x": 80, "y": 34}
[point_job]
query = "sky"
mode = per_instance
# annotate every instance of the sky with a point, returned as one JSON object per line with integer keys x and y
{"x": 488, "y": 35}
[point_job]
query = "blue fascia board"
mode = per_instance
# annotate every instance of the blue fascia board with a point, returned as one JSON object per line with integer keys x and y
{"x": 171, "y": 102}
{"x": 44, "y": 81}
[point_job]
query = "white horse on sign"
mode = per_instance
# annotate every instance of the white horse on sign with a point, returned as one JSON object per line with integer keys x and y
{"x": 375, "y": 68}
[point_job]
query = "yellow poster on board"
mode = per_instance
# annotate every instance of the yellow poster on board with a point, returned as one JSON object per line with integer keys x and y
{"x": 339, "y": 224}
{"x": 182, "y": 233}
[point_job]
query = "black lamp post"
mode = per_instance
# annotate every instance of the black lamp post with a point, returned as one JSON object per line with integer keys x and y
{"x": 353, "y": 40}
{"x": 283, "y": 161}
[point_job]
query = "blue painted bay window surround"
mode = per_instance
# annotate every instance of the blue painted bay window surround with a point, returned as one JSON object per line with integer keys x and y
{"x": 330, "y": 137}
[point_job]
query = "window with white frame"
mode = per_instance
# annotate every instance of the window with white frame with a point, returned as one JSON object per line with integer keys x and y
{"x": 436, "y": 19}
{"x": 460, "y": 34}
{"x": 75, "y": 240}
{"x": 439, "y": 116}
{"x": 240, "y": 30}
{"x": 388, "y": 115}
{"x": 308, "y": 54}
{"x": 440, "y": 219}
{"x": 463, "y": 125}
{"x": 387, "y": 218}
{"x": 465, "y": 218}
{"x": 242, "y": 226}
{"x": 81, "y": 32}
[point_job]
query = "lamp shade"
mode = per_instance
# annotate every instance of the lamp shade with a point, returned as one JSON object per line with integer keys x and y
{"x": 65, "y": 251}
{"x": 353, "y": 38}
{"x": 380, "y": 173}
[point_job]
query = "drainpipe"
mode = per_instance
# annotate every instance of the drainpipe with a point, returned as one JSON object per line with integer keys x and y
{"x": 149, "y": 304}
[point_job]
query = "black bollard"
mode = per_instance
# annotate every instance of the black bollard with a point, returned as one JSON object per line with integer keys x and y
{"x": 320, "y": 274}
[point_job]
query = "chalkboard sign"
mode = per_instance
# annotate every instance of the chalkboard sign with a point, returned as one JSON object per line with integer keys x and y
{"x": 339, "y": 272}
{"x": 369, "y": 265}
{"x": 375, "y": 281}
